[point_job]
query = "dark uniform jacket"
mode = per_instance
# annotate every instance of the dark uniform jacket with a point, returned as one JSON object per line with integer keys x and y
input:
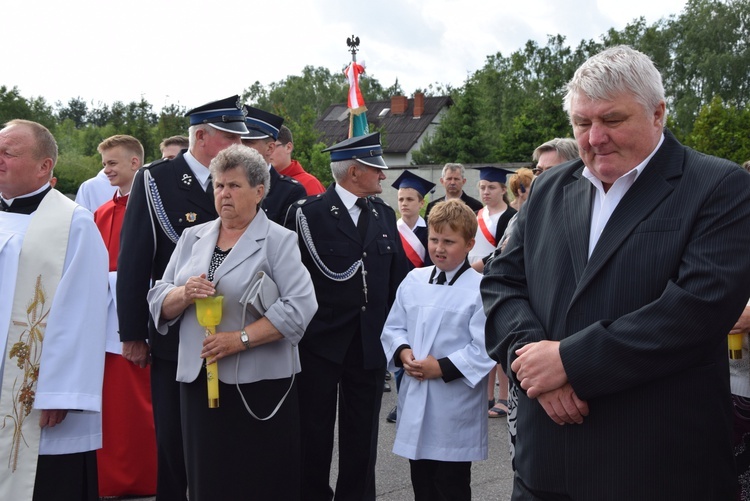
{"x": 284, "y": 191}
{"x": 145, "y": 248}
{"x": 342, "y": 307}
{"x": 473, "y": 204}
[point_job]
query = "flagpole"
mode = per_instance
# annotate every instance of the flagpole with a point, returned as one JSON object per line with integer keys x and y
{"x": 357, "y": 116}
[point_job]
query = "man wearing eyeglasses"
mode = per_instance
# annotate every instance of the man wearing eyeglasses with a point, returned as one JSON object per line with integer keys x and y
{"x": 554, "y": 152}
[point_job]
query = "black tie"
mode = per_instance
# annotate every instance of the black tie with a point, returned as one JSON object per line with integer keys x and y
{"x": 3, "y": 206}
{"x": 210, "y": 188}
{"x": 440, "y": 278}
{"x": 364, "y": 217}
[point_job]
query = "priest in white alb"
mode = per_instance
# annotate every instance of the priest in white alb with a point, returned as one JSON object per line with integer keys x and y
{"x": 53, "y": 274}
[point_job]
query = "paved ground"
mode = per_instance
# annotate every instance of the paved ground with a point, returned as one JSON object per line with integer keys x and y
{"x": 491, "y": 480}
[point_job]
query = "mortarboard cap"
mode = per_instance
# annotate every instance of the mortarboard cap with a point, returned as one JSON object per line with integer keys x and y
{"x": 365, "y": 149}
{"x": 225, "y": 114}
{"x": 410, "y": 180}
{"x": 261, "y": 124}
{"x": 494, "y": 174}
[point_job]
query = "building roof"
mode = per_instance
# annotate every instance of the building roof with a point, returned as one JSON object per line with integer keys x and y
{"x": 400, "y": 132}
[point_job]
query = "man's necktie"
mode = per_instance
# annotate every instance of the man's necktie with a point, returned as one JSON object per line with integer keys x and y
{"x": 210, "y": 188}
{"x": 364, "y": 217}
{"x": 440, "y": 278}
{"x": 3, "y": 205}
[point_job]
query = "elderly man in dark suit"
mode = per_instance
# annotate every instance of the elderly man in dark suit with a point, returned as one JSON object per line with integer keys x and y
{"x": 611, "y": 304}
{"x": 167, "y": 197}
{"x": 352, "y": 249}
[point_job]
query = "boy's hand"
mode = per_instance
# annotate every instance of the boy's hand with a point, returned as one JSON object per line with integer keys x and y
{"x": 431, "y": 368}
{"x": 411, "y": 367}
{"x": 421, "y": 369}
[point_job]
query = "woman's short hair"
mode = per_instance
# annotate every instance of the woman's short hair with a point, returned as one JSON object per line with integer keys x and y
{"x": 456, "y": 215}
{"x": 248, "y": 160}
{"x": 522, "y": 175}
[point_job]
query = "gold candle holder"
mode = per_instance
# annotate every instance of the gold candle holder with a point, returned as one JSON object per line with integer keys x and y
{"x": 208, "y": 311}
{"x": 735, "y": 346}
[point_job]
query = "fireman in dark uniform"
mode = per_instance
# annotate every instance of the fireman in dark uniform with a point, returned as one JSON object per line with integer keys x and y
{"x": 351, "y": 247}
{"x": 167, "y": 197}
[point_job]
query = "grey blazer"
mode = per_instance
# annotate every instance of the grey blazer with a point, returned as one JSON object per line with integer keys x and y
{"x": 265, "y": 246}
{"x": 642, "y": 326}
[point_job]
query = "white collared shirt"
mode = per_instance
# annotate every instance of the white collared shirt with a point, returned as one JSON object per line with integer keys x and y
{"x": 350, "y": 200}
{"x": 605, "y": 203}
{"x": 449, "y": 274}
{"x": 200, "y": 171}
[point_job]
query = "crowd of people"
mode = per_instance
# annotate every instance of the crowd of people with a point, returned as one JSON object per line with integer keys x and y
{"x": 197, "y": 327}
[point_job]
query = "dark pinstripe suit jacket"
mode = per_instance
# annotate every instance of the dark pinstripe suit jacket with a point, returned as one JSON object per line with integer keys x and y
{"x": 642, "y": 325}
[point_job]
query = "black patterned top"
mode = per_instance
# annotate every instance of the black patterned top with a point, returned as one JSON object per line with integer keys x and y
{"x": 216, "y": 260}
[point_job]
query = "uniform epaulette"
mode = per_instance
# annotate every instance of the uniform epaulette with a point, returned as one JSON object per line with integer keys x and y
{"x": 379, "y": 201}
{"x": 287, "y": 178}
{"x": 308, "y": 200}
{"x": 155, "y": 163}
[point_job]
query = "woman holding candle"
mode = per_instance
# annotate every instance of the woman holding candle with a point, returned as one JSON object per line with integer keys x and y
{"x": 229, "y": 454}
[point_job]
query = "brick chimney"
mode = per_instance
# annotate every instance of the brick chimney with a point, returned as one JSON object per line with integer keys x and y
{"x": 399, "y": 105}
{"x": 418, "y": 104}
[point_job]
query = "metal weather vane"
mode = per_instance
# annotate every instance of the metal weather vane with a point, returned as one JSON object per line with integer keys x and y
{"x": 353, "y": 43}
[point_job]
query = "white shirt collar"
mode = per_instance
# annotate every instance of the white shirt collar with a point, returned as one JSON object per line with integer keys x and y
{"x": 200, "y": 171}
{"x": 8, "y": 201}
{"x": 448, "y": 274}
{"x": 346, "y": 196}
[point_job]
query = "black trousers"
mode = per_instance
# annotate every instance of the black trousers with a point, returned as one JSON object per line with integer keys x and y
{"x": 441, "y": 480}
{"x": 67, "y": 477}
{"x": 171, "y": 478}
{"x": 358, "y": 392}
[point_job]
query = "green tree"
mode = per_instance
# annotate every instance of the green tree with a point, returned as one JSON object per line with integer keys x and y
{"x": 722, "y": 130}
{"x": 461, "y": 137}
{"x": 76, "y": 110}
{"x": 710, "y": 57}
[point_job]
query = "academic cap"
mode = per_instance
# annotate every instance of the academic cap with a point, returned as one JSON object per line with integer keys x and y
{"x": 261, "y": 124}
{"x": 410, "y": 180}
{"x": 225, "y": 114}
{"x": 365, "y": 149}
{"x": 494, "y": 174}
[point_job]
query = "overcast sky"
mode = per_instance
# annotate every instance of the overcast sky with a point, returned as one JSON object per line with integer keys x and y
{"x": 189, "y": 52}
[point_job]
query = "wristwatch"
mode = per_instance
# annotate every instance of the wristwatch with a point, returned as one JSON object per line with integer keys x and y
{"x": 245, "y": 340}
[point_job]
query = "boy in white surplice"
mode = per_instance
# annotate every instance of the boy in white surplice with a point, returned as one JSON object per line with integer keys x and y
{"x": 435, "y": 331}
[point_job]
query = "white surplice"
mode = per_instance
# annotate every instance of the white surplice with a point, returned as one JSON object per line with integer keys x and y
{"x": 439, "y": 420}
{"x": 72, "y": 361}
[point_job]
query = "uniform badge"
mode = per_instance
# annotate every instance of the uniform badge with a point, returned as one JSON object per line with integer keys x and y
{"x": 187, "y": 179}
{"x": 191, "y": 217}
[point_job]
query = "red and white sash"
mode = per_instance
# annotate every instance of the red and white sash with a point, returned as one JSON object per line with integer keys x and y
{"x": 484, "y": 221}
{"x": 414, "y": 249}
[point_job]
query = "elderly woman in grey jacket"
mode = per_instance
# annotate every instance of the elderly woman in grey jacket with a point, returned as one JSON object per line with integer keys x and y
{"x": 249, "y": 445}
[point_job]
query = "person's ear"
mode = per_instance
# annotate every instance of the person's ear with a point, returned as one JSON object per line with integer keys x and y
{"x": 45, "y": 168}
